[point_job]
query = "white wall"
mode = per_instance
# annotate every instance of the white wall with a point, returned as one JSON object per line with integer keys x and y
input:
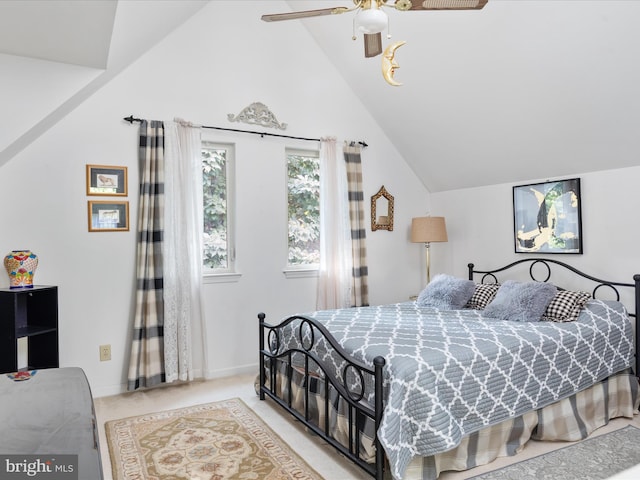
{"x": 480, "y": 224}
{"x": 217, "y": 63}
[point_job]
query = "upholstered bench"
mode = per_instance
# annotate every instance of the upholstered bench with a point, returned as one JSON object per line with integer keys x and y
{"x": 50, "y": 412}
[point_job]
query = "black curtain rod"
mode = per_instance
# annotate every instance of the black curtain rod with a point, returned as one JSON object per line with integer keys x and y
{"x": 132, "y": 119}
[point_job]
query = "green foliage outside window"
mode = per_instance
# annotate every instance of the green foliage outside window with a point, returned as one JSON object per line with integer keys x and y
{"x": 215, "y": 251}
{"x": 304, "y": 209}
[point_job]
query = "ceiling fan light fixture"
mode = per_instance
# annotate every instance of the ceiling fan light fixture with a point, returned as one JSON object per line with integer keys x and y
{"x": 371, "y": 20}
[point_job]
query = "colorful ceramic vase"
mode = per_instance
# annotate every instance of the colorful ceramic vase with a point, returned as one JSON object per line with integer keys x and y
{"x": 21, "y": 266}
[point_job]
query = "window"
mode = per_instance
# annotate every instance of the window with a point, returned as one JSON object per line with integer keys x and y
{"x": 303, "y": 187}
{"x": 217, "y": 180}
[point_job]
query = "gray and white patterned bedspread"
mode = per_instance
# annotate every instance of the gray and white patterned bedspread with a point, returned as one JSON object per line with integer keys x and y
{"x": 450, "y": 373}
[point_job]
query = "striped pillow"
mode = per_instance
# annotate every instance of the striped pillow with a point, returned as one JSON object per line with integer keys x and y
{"x": 566, "y": 306}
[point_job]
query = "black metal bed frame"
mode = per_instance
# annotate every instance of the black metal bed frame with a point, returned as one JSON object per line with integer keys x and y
{"x": 358, "y": 409}
{"x": 599, "y": 283}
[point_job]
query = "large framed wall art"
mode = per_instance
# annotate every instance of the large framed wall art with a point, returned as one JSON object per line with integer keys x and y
{"x": 547, "y": 217}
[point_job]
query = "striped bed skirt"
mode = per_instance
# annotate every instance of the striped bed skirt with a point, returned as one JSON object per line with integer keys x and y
{"x": 570, "y": 419}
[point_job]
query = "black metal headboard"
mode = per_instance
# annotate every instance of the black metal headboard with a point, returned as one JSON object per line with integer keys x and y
{"x": 598, "y": 283}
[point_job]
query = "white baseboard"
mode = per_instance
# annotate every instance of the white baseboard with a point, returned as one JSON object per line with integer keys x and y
{"x": 109, "y": 390}
{"x": 232, "y": 372}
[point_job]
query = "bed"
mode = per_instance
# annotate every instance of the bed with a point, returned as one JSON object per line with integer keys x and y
{"x": 412, "y": 389}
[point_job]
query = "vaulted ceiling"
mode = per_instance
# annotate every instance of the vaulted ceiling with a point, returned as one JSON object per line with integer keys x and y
{"x": 520, "y": 90}
{"x": 63, "y": 51}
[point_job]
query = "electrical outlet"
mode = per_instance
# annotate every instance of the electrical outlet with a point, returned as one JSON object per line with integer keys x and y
{"x": 105, "y": 353}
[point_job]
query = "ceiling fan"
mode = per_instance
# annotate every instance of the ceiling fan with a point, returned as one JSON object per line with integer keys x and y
{"x": 371, "y": 20}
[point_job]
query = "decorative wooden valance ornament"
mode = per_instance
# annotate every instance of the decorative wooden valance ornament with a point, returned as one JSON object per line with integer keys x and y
{"x": 257, "y": 114}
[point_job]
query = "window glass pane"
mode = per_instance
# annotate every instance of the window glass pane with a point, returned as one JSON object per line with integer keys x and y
{"x": 215, "y": 195}
{"x": 303, "y": 173}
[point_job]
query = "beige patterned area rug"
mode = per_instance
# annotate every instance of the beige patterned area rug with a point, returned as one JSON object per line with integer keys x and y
{"x": 595, "y": 458}
{"x": 215, "y": 441}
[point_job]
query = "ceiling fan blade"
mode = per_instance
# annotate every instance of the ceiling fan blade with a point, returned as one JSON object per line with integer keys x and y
{"x": 440, "y": 4}
{"x": 372, "y": 44}
{"x": 276, "y": 17}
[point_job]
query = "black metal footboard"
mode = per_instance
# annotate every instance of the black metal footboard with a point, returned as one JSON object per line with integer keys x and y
{"x": 351, "y": 385}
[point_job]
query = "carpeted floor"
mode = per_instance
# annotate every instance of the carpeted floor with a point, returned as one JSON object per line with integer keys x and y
{"x": 321, "y": 457}
{"x": 222, "y": 440}
{"x": 594, "y": 458}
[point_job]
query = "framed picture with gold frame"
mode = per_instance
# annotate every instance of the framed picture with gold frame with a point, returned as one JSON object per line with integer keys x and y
{"x": 106, "y": 180}
{"x": 108, "y": 216}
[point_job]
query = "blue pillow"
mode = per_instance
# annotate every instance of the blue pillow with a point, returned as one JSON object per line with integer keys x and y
{"x": 446, "y": 293}
{"x": 521, "y": 302}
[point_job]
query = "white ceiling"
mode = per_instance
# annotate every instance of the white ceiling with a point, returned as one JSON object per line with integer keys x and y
{"x": 62, "y": 51}
{"x": 50, "y": 30}
{"x": 521, "y": 90}
{"x": 516, "y": 91}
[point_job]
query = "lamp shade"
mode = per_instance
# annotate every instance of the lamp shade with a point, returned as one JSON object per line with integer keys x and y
{"x": 428, "y": 229}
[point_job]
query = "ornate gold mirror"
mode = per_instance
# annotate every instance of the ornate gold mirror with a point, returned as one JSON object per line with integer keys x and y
{"x": 382, "y": 210}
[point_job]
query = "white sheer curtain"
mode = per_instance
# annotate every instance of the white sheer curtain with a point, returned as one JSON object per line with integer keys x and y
{"x": 185, "y": 354}
{"x": 334, "y": 282}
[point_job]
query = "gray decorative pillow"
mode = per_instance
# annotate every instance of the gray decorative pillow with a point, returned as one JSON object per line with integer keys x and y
{"x": 521, "y": 302}
{"x": 482, "y": 295}
{"x": 566, "y": 306}
{"x": 446, "y": 293}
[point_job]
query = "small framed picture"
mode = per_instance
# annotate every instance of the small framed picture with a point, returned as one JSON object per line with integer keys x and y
{"x": 547, "y": 217}
{"x": 106, "y": 180}
{"x": 108, "y": 216}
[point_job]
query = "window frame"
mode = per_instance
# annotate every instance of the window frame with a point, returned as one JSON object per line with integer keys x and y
{"x": 299, "y": 270}
{"x": 228, "y": 274}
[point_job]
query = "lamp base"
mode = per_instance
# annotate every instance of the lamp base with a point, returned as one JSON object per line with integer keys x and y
{"x": 426, "y": 245}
